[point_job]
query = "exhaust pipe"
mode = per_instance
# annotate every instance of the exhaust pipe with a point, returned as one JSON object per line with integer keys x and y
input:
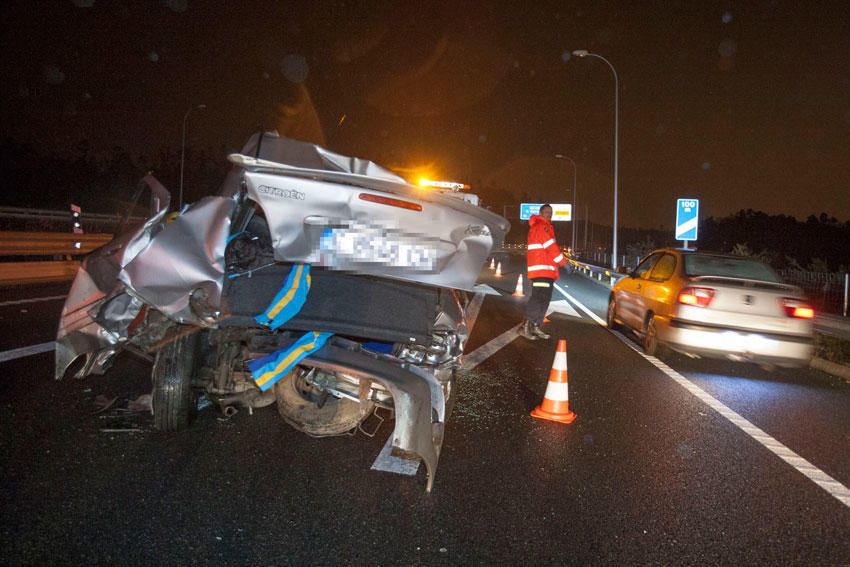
{"x": 247, "y": 399}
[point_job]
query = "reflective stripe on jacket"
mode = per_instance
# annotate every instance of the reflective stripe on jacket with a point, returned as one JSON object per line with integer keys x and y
{"x": 544, "y": 257}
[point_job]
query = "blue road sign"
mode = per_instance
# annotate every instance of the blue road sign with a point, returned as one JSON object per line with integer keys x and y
{"x": 687, "y": 219}
{"x": 528, "y": 209}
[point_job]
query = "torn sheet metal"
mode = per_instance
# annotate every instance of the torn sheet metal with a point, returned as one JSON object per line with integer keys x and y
{"x": 186, "y": 255}
{"x": 299, "y": 210}
{"x": 427, "y": 236}
{"x": 81, "y": 329}
{"x": 272, "y": 147}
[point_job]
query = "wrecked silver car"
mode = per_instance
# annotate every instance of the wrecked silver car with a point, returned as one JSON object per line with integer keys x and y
{"x": 321, "y": 283}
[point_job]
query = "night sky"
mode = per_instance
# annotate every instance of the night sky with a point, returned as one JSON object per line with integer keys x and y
{"x": 743, "y": 105}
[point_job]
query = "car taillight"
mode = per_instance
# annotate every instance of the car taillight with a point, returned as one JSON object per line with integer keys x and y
{"x": 391, "y": 202}
{"x": 697, "y": 296}
{"x": 797, "y": 308}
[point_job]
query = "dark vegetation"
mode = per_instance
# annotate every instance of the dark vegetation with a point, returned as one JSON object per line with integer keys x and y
{"x": 98, "y": 182}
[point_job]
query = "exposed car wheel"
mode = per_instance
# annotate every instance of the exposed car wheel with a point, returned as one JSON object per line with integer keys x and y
{"x": 173, "y": 399}
{"x": 314, "y": 411}
{"x": 612, "y": 315}
{"x": 651, "y": 345}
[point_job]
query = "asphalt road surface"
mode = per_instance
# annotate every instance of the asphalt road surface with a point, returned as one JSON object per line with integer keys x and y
{"x": 693, "y": 462}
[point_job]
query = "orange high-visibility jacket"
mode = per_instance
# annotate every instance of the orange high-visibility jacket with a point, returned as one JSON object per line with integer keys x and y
{"x": 544, "y": 257}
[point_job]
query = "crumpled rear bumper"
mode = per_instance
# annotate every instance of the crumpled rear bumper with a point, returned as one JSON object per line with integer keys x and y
{"x": 418, "y": 399}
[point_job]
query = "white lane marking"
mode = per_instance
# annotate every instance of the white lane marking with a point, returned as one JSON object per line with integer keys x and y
{"x": 33, "y": 300}
{"x": 819, "y": 477}
{"x": 473, "y": 310}
{"x": 386, "y": 462}
{"x": 562, "y": 306}
{"x": 589, "y": 313}
{"x": 26, "y": 351}
{"x": 832, "y": 486}
{"x": 484, "y": 352}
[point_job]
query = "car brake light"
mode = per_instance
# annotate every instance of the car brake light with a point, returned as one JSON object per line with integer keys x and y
{"x": 390, "y": 201}
{"x": 797, "y": 309}
{"x": 696, "y": 296}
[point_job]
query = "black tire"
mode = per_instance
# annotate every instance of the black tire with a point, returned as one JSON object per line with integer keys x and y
{"x": 314, "y": 412}
{"x": 651, "y": 345}
{"x": 612, "y": 315}
{"x": 173, "y": 400}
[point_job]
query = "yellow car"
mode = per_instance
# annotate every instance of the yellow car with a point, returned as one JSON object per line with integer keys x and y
{"x": 703, "y": 304}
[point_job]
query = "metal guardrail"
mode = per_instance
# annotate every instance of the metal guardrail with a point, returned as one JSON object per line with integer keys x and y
{"x": 39, "y": 257}
{"x": 49, "y": 214}
{"x": 50, "y": 243}
{"x": 19, "y": 273}
{"x": 35, "y": 220}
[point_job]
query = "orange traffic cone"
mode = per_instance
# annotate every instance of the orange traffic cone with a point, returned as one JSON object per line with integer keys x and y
{"x": 556, "y": 401}
{"x": 518, "y": 291}
{"x": 492, "y": 263}
{"x": 499, "y": 270}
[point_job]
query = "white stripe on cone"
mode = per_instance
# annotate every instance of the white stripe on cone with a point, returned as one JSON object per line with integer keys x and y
{"x": 558, "y": 391}
{"x": 560, "y": 362}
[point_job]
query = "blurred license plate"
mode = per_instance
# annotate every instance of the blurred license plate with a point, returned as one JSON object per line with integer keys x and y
{"x": 367, "y": 245}
{"x": 750, "y": 342}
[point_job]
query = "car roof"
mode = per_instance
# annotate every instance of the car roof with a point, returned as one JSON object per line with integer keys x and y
{"x": 692, "y": 251}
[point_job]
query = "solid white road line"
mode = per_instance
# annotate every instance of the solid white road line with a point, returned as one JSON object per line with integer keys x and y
{"x": 473, "y": 309}
{"x": 562, "y": 306}
{"x": 484, "y": 352}
{"x": 33, "y": 300}
{"x": 820, "y": 478}
{"x": 832, "y": 486}
{"x": 587, "y": 311}
{"x": 26, "y": 351}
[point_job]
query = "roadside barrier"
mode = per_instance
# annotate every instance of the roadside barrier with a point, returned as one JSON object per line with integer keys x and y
{"x": 556, "y": 401}
{"x": 41, "y": 257}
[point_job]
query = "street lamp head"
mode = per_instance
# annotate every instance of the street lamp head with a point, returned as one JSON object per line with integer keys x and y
{"x": 581, "y": 52}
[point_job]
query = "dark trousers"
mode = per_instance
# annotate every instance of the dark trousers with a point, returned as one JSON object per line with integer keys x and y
{"x": 538, "y": 303}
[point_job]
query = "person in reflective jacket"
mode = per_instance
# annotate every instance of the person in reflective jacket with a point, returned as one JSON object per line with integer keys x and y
{"x": 544, "y": 260}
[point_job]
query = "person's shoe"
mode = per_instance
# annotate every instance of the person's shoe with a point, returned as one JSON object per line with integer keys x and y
{"x": 525, "y": 331}
{"x": 538, "y": 332}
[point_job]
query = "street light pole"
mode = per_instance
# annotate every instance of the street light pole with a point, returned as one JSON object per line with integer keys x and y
{"x": 183, "y": 151}
{"x": 585, "y": 53}
{"x": 575, "y": 193}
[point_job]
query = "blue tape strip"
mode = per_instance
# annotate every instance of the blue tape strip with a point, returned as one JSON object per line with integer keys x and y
{"x": 268, "y": 370}
{"x": 289, "y": 300}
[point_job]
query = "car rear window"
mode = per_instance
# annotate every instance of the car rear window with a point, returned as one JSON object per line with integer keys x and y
{"x": 724, "y": 266}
